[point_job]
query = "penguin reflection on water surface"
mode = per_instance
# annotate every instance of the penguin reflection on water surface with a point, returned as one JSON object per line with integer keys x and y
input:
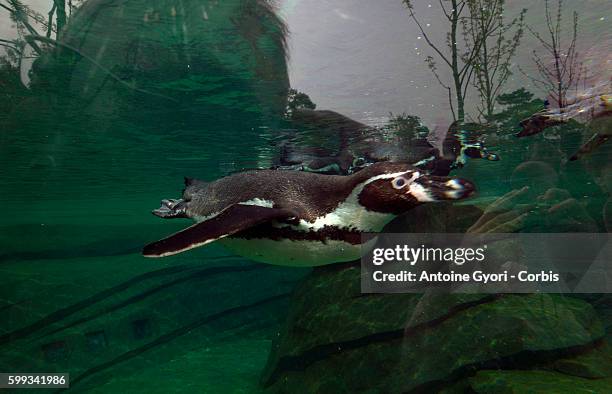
{"x": 299, "y": 218}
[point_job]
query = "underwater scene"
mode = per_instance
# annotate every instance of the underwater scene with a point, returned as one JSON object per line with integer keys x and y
{"x": 188, "y": 188}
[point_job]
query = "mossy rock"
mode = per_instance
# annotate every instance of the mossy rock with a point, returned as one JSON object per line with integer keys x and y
{"x": 203, "y": 58}
{"x": 535, "y": 382}
{"x": 340, "y": 340}
{"x": 595, "y": 364}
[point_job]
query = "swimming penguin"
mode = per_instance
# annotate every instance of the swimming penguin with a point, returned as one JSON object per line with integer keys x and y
{"x": 593, "y": 106}
{"x": 602, "y": 125}
{"x": 299, "y": 218}
{"x": 361, "y": 145}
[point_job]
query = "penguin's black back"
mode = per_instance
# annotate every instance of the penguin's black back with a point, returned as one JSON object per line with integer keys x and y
{"x": 311, "y": 195}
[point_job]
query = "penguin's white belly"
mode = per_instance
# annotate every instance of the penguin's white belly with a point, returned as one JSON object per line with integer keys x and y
{"x": 296, "y": 253}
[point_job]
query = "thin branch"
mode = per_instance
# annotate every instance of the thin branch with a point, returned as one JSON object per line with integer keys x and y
{"x": 431, "y": 44}
{"x": 2, "y": 44}
{"x": 444, "y": 10}
{"x": 450, "y": 100}
{"x": 24, "y": 22}
{"x": 50, "y": 24}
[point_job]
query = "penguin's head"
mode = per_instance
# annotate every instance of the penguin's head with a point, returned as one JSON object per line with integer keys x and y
{"x": 400, "y": 187}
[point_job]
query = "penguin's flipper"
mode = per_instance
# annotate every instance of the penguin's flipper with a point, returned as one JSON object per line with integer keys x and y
{"x": 230, "y": 221}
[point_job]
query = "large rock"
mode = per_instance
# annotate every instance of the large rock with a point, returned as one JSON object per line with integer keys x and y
{"x": 339, "y": 340}
{"x": 146, "y": 92}
{"x": 204, "y": 58}
{"x": 533, "y": 382}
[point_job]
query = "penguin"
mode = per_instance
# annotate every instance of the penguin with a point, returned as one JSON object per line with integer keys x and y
{"x": 361, "y": 145}
{"x": 602, "y": 124}
{"x": 595, "y": 105}
{"x": 462, "y": 142}
{"x": 299, "y": 218}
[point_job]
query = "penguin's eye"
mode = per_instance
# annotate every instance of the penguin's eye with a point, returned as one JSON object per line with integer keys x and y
{"x": 399, "y": 183}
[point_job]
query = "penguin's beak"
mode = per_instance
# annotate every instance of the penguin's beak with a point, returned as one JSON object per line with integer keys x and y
{"x": 428, "y": 188}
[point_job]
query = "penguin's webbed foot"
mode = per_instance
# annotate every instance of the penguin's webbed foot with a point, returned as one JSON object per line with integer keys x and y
{"x": 171, "y": 209}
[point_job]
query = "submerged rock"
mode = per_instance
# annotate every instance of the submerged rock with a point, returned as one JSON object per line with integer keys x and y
{"x": 339, "y": 340}
{"x": 534, "y": 382}
{"x": 229, "y": 55}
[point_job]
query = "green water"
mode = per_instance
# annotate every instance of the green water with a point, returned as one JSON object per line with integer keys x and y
{"x": 85, "y": 158}
{"x": 157, "y": 91}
